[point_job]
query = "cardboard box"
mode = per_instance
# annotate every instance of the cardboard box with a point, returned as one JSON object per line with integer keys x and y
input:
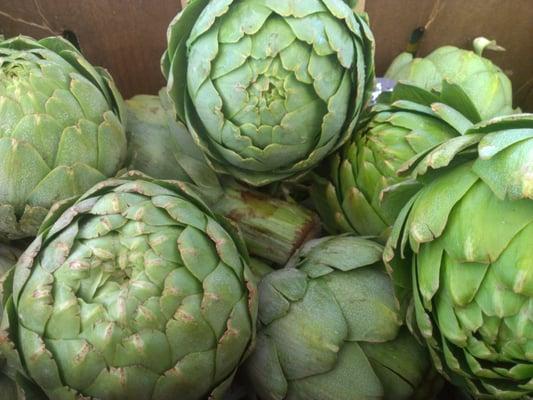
{"x": 128, "y": 37}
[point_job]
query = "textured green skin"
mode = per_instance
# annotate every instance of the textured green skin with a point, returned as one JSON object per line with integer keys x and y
{"x": 362, "y": 191}
{"x": 143, "y": 294}
{"x": 461, "y": 253}
{"x": 331, "y": 329}
{"x": 268, "y": 88}
{"x": 61, "y": 129}
{"x": 487, "y": 85}
{"x": 8, "y": 257}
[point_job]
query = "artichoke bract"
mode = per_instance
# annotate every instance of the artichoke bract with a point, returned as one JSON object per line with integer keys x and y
{"x": 8, "y": 258}
{"x": 461, "y": 253}
{"x": 61, "y": 129}
{"x": 362, "y": 191}
{"x": 268, "y": 88}
{"x": 8, "y": 388}
{"x": 136, "y": 291}
{"x": 330, "y": 329}
{"x": 161, "y": 147}
{"x": 487, "y": 85}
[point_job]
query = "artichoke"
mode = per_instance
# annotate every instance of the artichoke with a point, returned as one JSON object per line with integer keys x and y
{"x": 61, "y": 129}
{"x": 363, "y": 192}
{"x": 161, "y": 147}
{"x": 268, "y": 88}
{"x": 136, "y": 291}
{"x": 330, "y": 329}
{"x": 487, "y": 85}
{"x": 462, "y": 249}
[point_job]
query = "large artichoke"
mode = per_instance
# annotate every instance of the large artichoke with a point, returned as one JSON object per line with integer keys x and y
{"x": 467, "y": 242}
{"x": 362, "y": 191}
{"x": 268, "y": 88}
{"x": 487, "y": 85}
{"x": 162, "y": 148}
{"x": 136, "y": 291}
{"x": 330, "y": 329}
{"x": 61, "y": 129}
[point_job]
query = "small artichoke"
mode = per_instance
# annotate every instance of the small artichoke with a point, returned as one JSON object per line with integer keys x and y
{"x": 461, "y": 252}
{"x": 61, "y": 129}
{"x": 163, "y": 148}
{"x": 362, "y": 191}
{"x": 485, "y": 83}
{"x": 137, "y": 292}
{"x": 331, "y": 329}
{"x": 268, "y": 88}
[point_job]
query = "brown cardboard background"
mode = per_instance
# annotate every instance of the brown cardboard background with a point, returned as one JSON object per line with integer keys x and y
{"x": 458, "y": 22}
{"x": 128, "y": 37}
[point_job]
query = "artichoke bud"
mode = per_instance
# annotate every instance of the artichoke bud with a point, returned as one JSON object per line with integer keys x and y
{"x": 368, "y": 181}
{"x": 485, "y": 83}
{"x": 61, "y": 130}
{"x": 461, "y": 249}
{"x": 137, "y": 291}
{"x": 330, "y": 329}
{"x": 268, "y": 89}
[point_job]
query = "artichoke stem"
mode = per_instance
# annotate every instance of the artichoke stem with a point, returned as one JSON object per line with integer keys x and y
{"x": 272, "y": 228}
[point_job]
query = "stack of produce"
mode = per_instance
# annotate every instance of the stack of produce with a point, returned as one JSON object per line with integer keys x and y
{"x": 153, "y": 249}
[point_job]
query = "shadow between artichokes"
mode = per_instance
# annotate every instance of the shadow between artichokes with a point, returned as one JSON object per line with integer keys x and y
{"x": 460, "y": 253}
{"x": 330, "y": 328}
{"x": 61, "y": 129}
{"x": 135, "y": 291}
{"x": 271, "y": 87}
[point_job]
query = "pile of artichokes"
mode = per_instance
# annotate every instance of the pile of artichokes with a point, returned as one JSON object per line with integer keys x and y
{"x": 270, "y": 225}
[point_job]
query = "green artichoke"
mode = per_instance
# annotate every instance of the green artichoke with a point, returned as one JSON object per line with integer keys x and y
{"x": 487, "y": 85}
{"x": 136, "y": 291}
{"x": 331, "y": 329}
{"x": 61, "y": 129}
{"x": 268, "y": 88}
{"x": 161, "y": 147}
{"x": 462, "y": 249}
{"x": 362, "y": 192}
